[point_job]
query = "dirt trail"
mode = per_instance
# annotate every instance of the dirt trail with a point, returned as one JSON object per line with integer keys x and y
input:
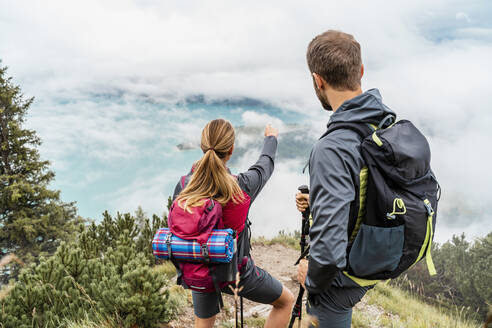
{"x": 276, "y": 259}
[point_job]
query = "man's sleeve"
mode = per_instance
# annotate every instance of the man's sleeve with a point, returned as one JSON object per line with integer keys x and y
{"x": 332, "y": 191}
{"x": 253, "y": 180}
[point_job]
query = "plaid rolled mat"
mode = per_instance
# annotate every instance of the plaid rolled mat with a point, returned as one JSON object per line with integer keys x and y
{"x": 220, "y": 245}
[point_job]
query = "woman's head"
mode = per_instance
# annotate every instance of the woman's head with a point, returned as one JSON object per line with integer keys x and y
{"x": 218, "y": 136}
{"x": 210, "y": 178}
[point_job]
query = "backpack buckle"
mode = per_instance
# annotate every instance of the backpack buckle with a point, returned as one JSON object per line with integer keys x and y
{"x": 428, "y": 206}
{"x": 211, "y": 207}
{"x": 205, "y": 254}
{"x": 168, "y": 244}
{"x": 168, "y": 238}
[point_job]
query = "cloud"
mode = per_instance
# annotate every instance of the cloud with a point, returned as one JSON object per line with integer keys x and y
{"x": 463, "y": 16}
{"x": 251, "y": 118}
{"x": 108, "y": 76}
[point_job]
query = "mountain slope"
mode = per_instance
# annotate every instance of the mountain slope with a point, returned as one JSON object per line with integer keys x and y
{"x": 384, "y": 306}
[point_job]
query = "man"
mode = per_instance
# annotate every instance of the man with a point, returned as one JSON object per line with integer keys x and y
{"x": 335, "y": 165}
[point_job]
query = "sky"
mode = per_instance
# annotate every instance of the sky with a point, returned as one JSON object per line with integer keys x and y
{"x": 119, "y": 83}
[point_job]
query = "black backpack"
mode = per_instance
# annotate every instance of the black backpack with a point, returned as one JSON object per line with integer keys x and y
{"x": 392, "y": 222}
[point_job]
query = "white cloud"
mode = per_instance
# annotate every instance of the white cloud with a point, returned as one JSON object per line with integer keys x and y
{"x": 463, "y": 16}
{"x": 430, "y": 59}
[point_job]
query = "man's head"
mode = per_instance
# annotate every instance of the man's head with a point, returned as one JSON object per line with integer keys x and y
{"x": 334, "y": 59}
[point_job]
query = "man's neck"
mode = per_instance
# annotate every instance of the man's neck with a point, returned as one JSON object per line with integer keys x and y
{"x": 337, "y": 98}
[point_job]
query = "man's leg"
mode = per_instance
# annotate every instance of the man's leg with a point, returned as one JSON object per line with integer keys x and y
{"x": 333, "y": 308}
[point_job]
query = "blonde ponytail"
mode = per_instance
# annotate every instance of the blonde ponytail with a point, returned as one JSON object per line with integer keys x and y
{"x": 210, "y": 178}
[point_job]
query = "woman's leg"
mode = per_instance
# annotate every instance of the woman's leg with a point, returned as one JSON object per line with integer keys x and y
{"x": 206, "y": 307}
{"x": 259, "y": 286}
{"x": 204, "y": 323}
{"x": 282, "y": 310}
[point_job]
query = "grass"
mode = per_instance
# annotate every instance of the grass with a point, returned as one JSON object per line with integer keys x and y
{"x": 388, "y": 306}
{"x": 166, "y": 268}
{"x": 286, "y": 239}
{"x": 89, "y": 323}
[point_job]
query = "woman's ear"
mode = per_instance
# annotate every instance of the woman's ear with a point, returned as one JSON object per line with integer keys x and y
{"x": 231, "y": 150}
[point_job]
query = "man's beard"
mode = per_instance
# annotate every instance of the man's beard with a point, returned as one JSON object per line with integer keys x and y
{"x": 322, "y": 98}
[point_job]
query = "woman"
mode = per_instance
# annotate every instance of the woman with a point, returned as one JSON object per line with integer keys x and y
{"x": 210, "y": 178}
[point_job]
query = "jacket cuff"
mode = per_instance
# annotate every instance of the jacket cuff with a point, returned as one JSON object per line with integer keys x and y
{"x": 319, "y": 277}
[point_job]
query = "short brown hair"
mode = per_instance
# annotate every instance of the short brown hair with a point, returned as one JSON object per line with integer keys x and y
{"x": 336, "y": 57}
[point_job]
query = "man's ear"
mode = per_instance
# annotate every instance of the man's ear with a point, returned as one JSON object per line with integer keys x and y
{"x": 318, "y": 81}
{"x": 361, "y": 70}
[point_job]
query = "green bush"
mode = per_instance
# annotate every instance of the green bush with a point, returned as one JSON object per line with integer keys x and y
{"x": 464, "y": 275}
{"x": 106, "y": 275}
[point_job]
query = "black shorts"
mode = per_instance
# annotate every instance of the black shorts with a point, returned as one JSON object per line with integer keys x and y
{"x": 258, "y": 286}
{"x": 333, "y": 307}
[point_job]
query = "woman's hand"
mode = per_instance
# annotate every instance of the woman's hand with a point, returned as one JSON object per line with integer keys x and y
{"x": 271, "y": 131}
{"x": 302, "y": 202}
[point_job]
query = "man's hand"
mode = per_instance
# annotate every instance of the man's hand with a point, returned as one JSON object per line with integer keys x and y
{"x": 302, "y": 202}
{"x": 271, "y": 131}
{"x": 302, "y": 272}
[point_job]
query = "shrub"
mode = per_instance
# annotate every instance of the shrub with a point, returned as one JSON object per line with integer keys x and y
{"x": 464, "y": 275}
{"x": 106, "y": 276}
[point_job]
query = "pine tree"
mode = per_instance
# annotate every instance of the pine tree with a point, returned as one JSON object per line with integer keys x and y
{"x": 33, "y": 219}
{"x": 103, "y": 276}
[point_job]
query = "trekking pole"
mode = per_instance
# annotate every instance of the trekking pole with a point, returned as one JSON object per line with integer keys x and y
{"x": 241, "y": 312}
{"x": 297, "y": 310}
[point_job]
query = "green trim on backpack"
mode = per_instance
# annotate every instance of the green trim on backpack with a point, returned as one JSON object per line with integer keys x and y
{"x": 361, "y": 281}
{"x": 376, "y": 139}
{"x": 428, "y": 240}
{"x": 401, "y": 205}
{"x": 363, "y": 175}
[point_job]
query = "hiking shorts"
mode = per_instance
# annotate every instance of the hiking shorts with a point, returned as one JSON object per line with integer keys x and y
{"x": 333, "y": 307}
{"x": 258, "y": 286}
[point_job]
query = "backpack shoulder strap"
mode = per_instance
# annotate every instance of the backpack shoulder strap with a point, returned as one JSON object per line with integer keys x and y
{"x": 362, "y": 129}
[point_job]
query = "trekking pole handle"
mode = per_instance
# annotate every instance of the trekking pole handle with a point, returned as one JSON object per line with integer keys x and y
{"x": 303, "y": 189}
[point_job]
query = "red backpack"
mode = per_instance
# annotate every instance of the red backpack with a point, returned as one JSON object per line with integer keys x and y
{"x": 197, "y": 225}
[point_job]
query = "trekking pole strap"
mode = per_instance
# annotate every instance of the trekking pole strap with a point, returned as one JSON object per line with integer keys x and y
{"x": 216, "y": 286}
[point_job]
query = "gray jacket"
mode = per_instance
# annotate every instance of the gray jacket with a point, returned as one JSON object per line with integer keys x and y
{"x": 334, "y": 167}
